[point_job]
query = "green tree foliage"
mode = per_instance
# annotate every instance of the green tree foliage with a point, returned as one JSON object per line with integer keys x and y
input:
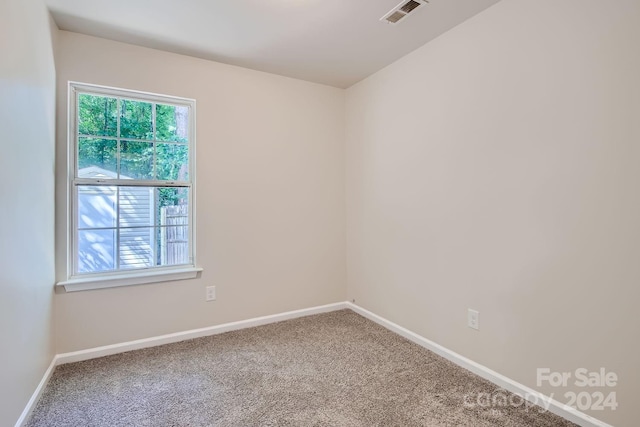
{"x": 140, "y": 153}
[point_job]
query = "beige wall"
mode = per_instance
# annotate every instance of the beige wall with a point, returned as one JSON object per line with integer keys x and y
{"x": 27, "y": 112}
{"x": 497, "y": 168}
{"x": 270, "y": 195}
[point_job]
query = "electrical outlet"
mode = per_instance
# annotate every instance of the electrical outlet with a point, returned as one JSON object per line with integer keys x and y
{"x": 211, "y": 293}
{"x": 473, "y": 319}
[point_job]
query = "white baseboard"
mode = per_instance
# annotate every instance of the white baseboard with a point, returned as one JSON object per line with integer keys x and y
{"x": 500, "y": 380}
{"x": 37, "y": 393}
{"x": 108, "y": 350}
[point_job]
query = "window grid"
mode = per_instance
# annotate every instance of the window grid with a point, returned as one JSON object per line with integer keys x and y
{"x": 153, "y": 184}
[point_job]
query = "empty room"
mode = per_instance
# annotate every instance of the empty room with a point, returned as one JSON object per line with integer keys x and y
{"x": 347, "y": 213}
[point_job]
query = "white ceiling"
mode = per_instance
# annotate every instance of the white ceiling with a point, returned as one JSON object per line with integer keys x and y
{"x": 335, "y": 42}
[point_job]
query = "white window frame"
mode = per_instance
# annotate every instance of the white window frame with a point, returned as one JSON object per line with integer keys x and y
{"x": 86, "y": 281}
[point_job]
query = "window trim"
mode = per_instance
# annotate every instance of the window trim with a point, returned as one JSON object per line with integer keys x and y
{"x": 116, "y": 279}
{"x": 87, "y": 281}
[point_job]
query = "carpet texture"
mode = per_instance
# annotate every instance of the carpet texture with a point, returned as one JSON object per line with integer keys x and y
{"x": 334, "y": 369}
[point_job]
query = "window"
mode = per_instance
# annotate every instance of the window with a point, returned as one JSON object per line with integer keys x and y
{"x": 131, "y": 186}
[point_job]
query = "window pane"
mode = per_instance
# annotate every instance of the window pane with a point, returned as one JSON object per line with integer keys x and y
{"x": 172, "y": 123}
{"x": 96, "y": 206}
{"x": 172, "y": 162}
{"x": 96, "y": 250}
{"x": 136, "y": 160}
{"x": 137, "y": 207}
{"x": 97, "y": 115}
{"x": 173, "y": 199}
{"x": 136, "y": 247}
{"x": 135, "y": 120}
{"x": 173, "y": 222}
{"x": 96, "y": 158}
{"x": 173, "y": 245}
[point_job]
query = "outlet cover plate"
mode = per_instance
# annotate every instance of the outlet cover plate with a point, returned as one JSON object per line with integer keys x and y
{"x": 473, "y": 319}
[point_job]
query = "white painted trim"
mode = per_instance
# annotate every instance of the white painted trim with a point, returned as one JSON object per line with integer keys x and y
{"x": 500, "y": 380}
{"x": 31, "y": 404}
{"x": 112, "y": 280}
{"x": 107, "y": 350}
{"x": 75, "y": 282}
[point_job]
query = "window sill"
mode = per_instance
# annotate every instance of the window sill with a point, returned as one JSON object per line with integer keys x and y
{"x": 85, "y": 283}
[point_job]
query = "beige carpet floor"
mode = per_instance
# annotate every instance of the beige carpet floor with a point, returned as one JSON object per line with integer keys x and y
{"x": 334, "y": 369}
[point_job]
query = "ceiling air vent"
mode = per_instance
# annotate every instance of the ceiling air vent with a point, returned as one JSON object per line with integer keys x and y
{"x": 401, "y": 11}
